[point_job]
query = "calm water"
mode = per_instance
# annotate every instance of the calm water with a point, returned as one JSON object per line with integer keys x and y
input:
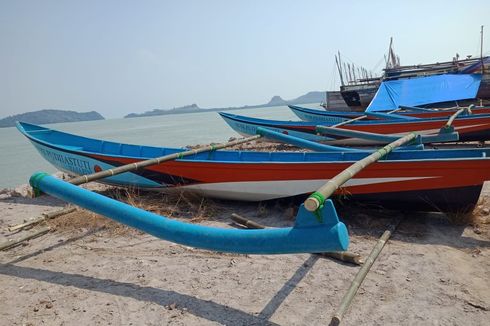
{"x": 20, "y": 159}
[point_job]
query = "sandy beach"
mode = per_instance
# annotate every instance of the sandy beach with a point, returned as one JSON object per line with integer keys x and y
{"x": 91, "y": 271}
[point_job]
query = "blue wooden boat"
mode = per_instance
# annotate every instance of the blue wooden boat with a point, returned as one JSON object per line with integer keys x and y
{"x": 470, "y": 127}
{"x": 334, "y": 117}
{"x": 446, "y": 180}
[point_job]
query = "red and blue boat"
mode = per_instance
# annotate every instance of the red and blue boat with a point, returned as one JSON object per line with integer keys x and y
{"x": 430, "y": 179}
{"x": 334, "y": 117}
{"x": 475, "y": 127}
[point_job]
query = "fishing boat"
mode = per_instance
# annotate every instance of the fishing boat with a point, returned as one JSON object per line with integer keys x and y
{"x": 314, "y": 115}
{"x": 469, "y": 127}
{"x": 359, "y": 86}
{"x": 446, "y": 180}
{"x": 420, "y": 97}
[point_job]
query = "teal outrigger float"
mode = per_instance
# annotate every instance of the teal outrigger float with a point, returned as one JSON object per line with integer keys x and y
{"x": 313, "y": 232}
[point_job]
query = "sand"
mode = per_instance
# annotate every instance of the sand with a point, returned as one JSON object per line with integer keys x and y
{"x": 90, "y": 271}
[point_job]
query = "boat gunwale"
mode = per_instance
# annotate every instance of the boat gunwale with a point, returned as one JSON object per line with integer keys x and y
{"x": 300, "y": 124}
{"x": 478, "y": 153}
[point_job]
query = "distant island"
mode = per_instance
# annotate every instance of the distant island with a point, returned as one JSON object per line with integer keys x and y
{"x": 311, "y": 97}
{"x": 50, "y": 116}
{"x": 183, "y": 109}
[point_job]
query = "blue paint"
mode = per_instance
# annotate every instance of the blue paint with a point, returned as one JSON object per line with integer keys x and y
{"x": 445, "y": 135}
{"x": 82, "y": 146}
{"x": 248, "y": 126}
{"x": 332, "y": 117}
{"x": 303, "y": 143}
{"x": 307, "y": 236}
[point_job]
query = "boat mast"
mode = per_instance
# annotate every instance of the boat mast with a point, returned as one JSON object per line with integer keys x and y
{"x": 388, "y": 61}
{"x": 339, "y": 67}
{"x": 481, "y": 51}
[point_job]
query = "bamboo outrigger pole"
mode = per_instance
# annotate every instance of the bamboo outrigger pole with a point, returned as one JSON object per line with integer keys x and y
{"x": 316, "y": 199}
{"x": 12, "y": 243}
{"x": 457, "y": 113}
{"x": 359, "y": 278}
{"x": 359, "y": 118}
{"x": 44, "y": 217}
{"x": 154, "y": 161}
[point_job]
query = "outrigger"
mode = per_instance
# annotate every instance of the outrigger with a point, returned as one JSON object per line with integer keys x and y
{"x": 316, "y": 229}
{"x": 470, "y": 127}
{"x": 408, "y": 177}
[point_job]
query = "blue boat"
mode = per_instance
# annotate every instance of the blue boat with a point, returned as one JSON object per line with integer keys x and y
{"x": 334, "y": 117}
{"x": 470, "y": 127}
{"x": 445, "y": 180}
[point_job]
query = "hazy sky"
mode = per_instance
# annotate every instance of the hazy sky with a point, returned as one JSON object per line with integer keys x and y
{"x": 118, "y": 57}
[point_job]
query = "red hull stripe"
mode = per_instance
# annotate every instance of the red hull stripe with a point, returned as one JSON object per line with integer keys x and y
{"x": 424, "y": 175}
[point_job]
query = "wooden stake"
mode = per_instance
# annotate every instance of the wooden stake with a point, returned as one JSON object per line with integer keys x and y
{"x": 245, "y": 222}
{"x": 344, "y": 256}
{"x": 44, "y": 217}
{"x": 361, "y": 275}
{"x": 12, "y": 243}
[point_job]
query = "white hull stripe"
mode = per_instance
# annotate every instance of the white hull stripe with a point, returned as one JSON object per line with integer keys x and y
{"x": 265, "y": 190}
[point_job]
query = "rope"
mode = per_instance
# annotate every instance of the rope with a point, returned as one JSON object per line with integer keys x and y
{"x": 35, "y": 183}
{"x": 321, "y": 199}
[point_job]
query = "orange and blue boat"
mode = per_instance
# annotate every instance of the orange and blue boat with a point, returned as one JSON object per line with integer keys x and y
{"x": 429, "y": 179}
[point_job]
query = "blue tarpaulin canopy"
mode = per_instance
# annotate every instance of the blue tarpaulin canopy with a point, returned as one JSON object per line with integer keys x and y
{"x": 424, "y": 90}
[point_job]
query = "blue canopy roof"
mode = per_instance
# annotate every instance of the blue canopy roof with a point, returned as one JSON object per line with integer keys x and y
{"x": 424, "y": 90}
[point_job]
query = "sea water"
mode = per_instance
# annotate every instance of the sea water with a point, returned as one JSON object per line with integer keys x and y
{"x": 19, "y": 160}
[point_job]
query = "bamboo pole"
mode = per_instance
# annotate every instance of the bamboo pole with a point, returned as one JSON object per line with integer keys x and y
{"x": 138, "y": 165}
{"x": 315, "y": 200}
{"x": 345, "y": 256}
{"x": 361, "y": 274}
{"x": 457, "y": 113}
{"x": 12, "y": 243}
{"x": 349, "y": 121}
{"x": 245, "y": 222}
{"x": 358, "y": 118}
{"x": 42, "y": 218}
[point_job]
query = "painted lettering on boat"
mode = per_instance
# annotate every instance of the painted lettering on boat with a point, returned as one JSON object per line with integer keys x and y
{"x": 73, "y": 164}
{"x": 246, "y": 128}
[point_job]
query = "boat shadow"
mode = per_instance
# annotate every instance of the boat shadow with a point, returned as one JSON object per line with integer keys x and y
{"x": 205, "y": 309}
{"x": 371, "y": 221}
{"x": 38, "y": 201}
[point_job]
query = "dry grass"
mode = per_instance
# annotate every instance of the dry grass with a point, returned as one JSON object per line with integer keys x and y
{"x": 259, "y": 146}
{"x": 179, "y": 205}
{"x": 193, "y": 209}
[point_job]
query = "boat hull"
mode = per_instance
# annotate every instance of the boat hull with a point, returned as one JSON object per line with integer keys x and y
{"x": 318, "y": 116}
{"x": 431, "y": 179}
{"x": 470, "y": 128}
